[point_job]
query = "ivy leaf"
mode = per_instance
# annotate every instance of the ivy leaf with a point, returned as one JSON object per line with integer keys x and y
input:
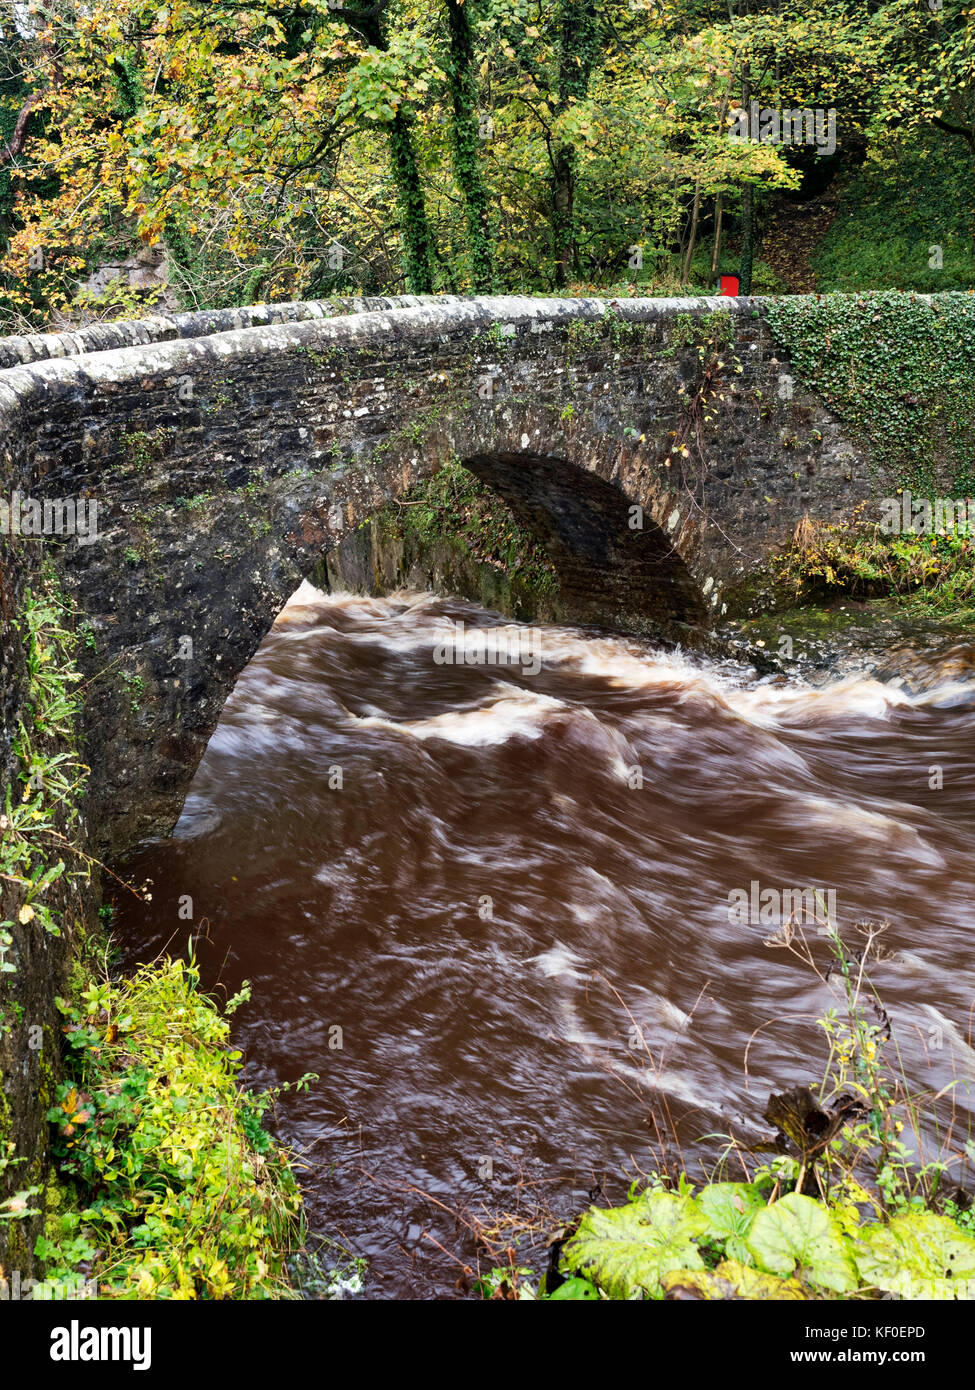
{"x": 626, "y": 1250}
{"x": 800, "y": 1232}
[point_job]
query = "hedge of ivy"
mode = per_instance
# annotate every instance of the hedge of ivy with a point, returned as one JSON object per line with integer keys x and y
{"x": 899, "y": 371}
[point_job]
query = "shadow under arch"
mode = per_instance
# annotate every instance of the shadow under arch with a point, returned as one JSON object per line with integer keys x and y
{"x": 610, "y": 572}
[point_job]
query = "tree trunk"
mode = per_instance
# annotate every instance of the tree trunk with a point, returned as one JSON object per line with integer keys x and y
{"x": 12, "y": 148}
{"x": 563, "y": 213}
{"x": 692, "y": 237}
{"x": 747, "y": 239}
{"x": 716, "y": 249}
{"x": 578, "y": 46}
{"x": 418, "y": 248}
{"x": 466, "y": 142}
{"x": 747, "y": 206}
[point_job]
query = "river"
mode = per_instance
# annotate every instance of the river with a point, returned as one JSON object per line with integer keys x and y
{"x": 488, "y": 903}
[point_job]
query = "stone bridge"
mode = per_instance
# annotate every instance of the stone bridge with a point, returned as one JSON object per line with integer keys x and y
{"x": 647, "y": 444}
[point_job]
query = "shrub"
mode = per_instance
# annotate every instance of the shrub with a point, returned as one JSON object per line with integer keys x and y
{"x": 181, "y": 1192}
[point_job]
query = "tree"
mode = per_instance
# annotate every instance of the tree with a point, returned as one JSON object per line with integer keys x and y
{"x": 285, "y": 148}
{"x": 466, "y": 133}
{"x": 578, "y": 46}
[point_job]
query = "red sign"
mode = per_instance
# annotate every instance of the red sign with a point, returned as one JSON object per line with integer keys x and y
{"x": 728, "y": 285}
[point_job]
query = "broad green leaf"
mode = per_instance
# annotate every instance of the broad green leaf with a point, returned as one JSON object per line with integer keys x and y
{"x": 798, "y": 1232}
{"x": 574, "y": 1288}
{"x": 920, "y": 1255}
{"x": 752, "y": 1283}
{"x": 626, "y": 1249}
{"x": 730, "y": 1208}
{"x": 731, "y": 1280}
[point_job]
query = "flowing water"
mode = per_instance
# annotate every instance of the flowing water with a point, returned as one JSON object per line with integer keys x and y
{"x": 488, "y": 904}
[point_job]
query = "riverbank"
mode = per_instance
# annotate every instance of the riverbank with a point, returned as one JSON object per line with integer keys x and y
{"x": 167, "y": 1183}
{"x": 852, "y": 600}
{"x": 161, "y": 1181}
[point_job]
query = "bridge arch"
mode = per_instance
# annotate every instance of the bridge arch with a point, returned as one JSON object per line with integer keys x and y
{"x": 616, "y": 565}
{"x": 227, "y": 452}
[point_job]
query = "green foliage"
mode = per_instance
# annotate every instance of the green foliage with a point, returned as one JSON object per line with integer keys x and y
{"x": 626, "y": 1250}
{"x": 35, "y": 825}
{"x": 455, "y": 506}
{"x": 927, "y": 574}
{"x": 575, "y": 1289}
{"x": 118, "y": 300}
{"x": 730, "y": 1208}
{"x": 911, "y": 197}
{"x": 612, "y": 330}
{"x": 920, "y": 1248}
{"x": 507, "y": 1284}
{"x": 701, "y": 331}
{"x": 181, "y": 1192}
{"x": 793, "y": 1247}
{"x": 134, "y": 685}
{"x": 899, "y": 371}
{"x": 144, "y": 449}
{"x": 534, "y": 146}
{"x": 798, "y": 1233}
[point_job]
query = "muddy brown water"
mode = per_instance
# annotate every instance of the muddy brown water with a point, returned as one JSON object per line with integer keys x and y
{"x": 530, "y": 955}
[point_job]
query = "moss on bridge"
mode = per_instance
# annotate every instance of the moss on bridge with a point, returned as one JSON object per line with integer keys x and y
{"x": 899, "y": 371}
{"x": 456, "y": 532}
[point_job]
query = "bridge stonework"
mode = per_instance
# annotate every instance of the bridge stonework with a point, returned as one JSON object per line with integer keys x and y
{"x": 226, "y": 462}
{"x": 227, "y": 452}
